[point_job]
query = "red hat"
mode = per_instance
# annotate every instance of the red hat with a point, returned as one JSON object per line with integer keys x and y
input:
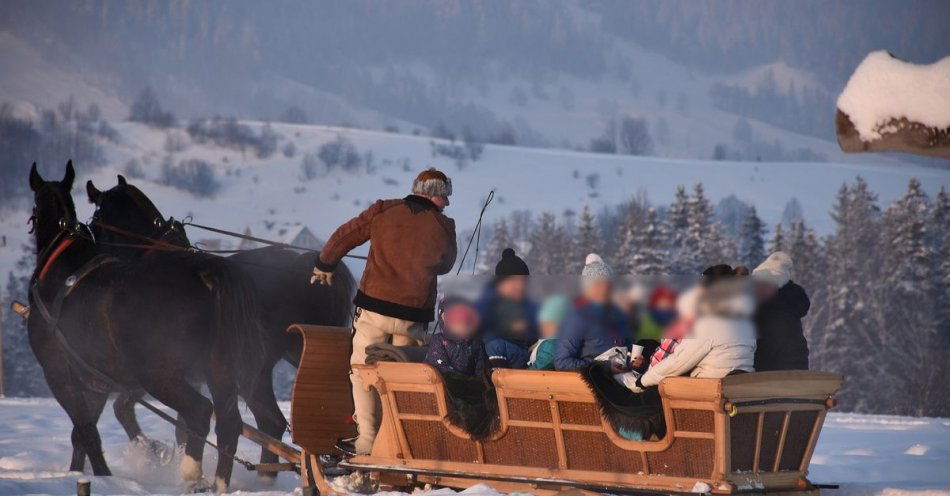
{"x": 662, "y": 293}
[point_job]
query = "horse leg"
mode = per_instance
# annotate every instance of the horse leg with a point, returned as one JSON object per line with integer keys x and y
{"x": 228, "y": 423}
{"x": 70, "y": 393}
{"x": 267, "y": 414}
{"x": 124, "y": 408}
{"x": 194, "y": 409}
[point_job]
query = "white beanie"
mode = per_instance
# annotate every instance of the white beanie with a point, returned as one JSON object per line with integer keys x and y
{"x": 595, "y": 269}
{"x": 776, "y": 270}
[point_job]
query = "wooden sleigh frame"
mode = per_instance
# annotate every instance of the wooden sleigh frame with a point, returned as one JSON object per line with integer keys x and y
{"x": 749, "y": 433}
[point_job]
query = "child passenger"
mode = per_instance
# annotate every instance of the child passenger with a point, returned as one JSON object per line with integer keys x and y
{"x": 457, "y": 349}
{"x": 549, "y": 321}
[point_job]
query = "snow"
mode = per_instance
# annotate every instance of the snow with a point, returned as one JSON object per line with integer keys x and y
{"x": 884, "y": 88}
{"x": 866, "y": 454}
{"x": 257, "y": 192}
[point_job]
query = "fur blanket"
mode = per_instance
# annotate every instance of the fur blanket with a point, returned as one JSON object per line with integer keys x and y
{"x": 473, "y": 405}
{"x": 625, "y": 410}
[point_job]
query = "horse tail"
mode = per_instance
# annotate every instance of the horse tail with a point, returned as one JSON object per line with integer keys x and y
{"x": 238, "y": 333}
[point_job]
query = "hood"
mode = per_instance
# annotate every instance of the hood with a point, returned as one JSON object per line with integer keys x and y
{"x": 793, "y": 297}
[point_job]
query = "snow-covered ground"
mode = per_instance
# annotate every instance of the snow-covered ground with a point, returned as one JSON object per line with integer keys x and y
{"x": 867, "y": 455}
{"x": 267, "y": 195}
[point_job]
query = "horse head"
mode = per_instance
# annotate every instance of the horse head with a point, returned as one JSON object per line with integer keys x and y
{"x": 124, "y": 215}
{"x": 54, "y": 213}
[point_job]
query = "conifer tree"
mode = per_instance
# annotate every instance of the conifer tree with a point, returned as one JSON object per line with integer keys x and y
{"x": 677, "y": 225}
{"x": 500, "y": 239}
{"x": 588, "y": 240}
{"x": 549, "y": 247}
{"x": 648, "y": 253}
{"x": 777, "y": 243}
{"x": 751, "y": 242}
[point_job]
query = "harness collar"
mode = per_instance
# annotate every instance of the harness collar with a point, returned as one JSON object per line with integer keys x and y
{"x": 63, "y": 245}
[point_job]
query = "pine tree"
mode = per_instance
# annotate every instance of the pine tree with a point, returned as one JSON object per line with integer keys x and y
{"x": 632, "y": 219}
{"x": 751, "y": 242}
{"x": 907, "y": 279}
{"x": 777, "y": 243}
{"x": 703, "y": 246}
{"x": 850, "y": 285}
{"x": 588, "y": 240}
{"x": 648, "y": 253}
{"x": 500, "y": 239}
{"x": 677, "y": 225}
{"x": 550, "y": 247}
{"x": 803, "y": 247}
{"x": 22, "y": 374}
{"x": 940, "y": 241}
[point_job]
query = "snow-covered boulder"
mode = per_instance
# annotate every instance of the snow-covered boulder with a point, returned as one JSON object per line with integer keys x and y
{"x": 893, "y": 105}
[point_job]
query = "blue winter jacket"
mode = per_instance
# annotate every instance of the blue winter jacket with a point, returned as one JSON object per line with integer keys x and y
{"x": 500, "y": 343}
{"x": 448, "y": 353}
{"x": 588, "y": 330}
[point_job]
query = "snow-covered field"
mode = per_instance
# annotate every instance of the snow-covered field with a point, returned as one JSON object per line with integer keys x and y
{"x": 268, "y": 195}
{"x": 865, "y": 454}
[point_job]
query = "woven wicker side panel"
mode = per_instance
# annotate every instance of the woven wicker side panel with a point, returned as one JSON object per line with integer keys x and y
{"x": 573, "y": 412}
{"x": 742, "y": 439}
{"x": 771, "y": 431}
{"x": 524, "y": 446}
{"x": 800, "y": 425}
{"x": 693, "y": 420}
{"x": 430, "y": 440}
{"x": 685, "y": 458}
{"x": 416, "y": 402}
{"x": 594, "y": 451}
{"x": 525, "y": 409}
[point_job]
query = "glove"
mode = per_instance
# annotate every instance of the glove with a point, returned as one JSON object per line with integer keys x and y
{"x": 319, "y": 276}
{"x": 631, "y": 380}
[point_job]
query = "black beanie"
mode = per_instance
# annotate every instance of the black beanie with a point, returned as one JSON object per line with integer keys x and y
{"x": 510, "y": 265}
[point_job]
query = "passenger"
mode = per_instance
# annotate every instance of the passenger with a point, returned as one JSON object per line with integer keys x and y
{"x": 661, "y": 312}
{"x": 722, "y": 340}
{"x": 632, "y": 305}
{"x": 778, "y": 319}
{"x": 457, "y": 349}
{"x": 508, "y": 316}
{"x": 674, "y": 333}
{"x": 594, "y": 324}
{"x": 742, "y": 270}
{"x": 549, "y": 319}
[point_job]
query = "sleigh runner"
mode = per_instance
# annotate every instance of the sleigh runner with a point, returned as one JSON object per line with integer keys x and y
{"x": 745, "y": 433}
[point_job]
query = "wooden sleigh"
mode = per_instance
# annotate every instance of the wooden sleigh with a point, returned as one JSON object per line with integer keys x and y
{"x": 748, "y": 433}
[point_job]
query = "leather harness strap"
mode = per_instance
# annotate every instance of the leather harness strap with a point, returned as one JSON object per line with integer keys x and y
{"x": 56, "y": 253}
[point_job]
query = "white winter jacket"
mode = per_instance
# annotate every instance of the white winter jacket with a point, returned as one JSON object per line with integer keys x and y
{"x": 722, "y": 339}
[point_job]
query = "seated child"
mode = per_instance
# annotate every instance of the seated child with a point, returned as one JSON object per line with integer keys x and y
{"x": 456, "y": 349}
{"x": 549, "y": 320}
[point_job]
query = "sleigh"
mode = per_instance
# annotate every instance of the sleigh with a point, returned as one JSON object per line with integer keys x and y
{"x": 745, "y": 433}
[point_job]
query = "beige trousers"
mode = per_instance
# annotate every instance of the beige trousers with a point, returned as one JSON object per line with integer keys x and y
{"x": 374, "y": 328}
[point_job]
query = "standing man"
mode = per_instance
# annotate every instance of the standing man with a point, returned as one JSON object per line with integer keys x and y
{"x": 411, "y": 244}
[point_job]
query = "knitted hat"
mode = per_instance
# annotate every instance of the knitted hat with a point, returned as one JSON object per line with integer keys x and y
{"x": 775, "y": 270}
{"x": 595, "y": 269}
{"x": 510, "y": 265}
{"x": 554, "y": 309}
{"x": 432, "y": 182}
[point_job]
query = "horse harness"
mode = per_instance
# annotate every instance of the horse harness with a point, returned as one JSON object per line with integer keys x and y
{"x": 100, "y": 382}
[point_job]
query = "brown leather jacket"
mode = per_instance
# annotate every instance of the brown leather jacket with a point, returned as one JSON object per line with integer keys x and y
{"x": 411, "y": 243}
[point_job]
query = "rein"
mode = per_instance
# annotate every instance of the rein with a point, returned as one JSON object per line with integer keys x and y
{"x": 60, "y": 248}
{"x": 258, "y": 240}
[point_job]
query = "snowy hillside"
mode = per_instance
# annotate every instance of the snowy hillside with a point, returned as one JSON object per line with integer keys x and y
{"x": 269, "y": 195}
{"x": 867, "y": 455}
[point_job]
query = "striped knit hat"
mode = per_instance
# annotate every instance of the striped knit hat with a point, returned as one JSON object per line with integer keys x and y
{"x": 432, "y": 182}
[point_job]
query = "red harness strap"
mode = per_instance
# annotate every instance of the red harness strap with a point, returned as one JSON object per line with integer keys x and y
{"x": 56, "y": 253}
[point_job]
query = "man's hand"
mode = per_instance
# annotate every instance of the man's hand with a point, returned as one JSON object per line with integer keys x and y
{"x": 637, "y": 362}
{"x": 319, "y": 276}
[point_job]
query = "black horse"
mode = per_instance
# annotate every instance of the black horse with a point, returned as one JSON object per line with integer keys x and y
{"x": 126, "y": 220}
{"x": 101, "y": 325}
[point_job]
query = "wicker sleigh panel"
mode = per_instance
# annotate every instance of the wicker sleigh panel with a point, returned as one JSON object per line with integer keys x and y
{"x": 551, "y": 429}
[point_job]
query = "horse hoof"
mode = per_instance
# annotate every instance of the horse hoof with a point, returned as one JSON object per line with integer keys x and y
{"x": 200, "y": 485}
{"x": 156, "y": 451}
